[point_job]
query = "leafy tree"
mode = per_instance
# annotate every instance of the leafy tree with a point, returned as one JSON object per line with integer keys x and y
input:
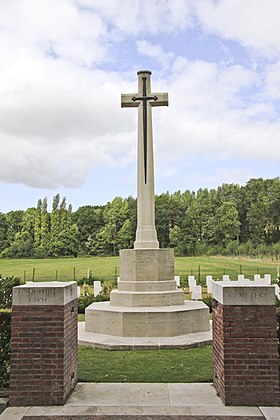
{"x": 89, "y": 220}
{"x": 227, "y": 223}
{"x": 15, "y": 220}
{"x": 4, "y": 226}
{"x": 125, "y": 236}
{"x": 23, "y": 244}
{"x": 38, "y": 225}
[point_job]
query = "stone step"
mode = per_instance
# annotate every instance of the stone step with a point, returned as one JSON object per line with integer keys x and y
{"x": 146, "y": 286}
{"x": 136, "y": 299}
{"x": 162, "y": 321}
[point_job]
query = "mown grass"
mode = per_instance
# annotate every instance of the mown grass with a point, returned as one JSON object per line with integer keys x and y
{"x": 188, "y": 365}
{"x": 61, "y": 269}
{"x": 217, "y": 266}
{"x": 107, "y": 268}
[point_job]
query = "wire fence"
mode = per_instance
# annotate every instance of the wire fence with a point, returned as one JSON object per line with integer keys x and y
{"x": 72, "y": 274}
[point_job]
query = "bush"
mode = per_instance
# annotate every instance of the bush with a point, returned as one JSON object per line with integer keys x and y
{"x": 87, "y": 280}
{"x": 208, "y": 301}
{"x": 5, "y": 350}
{"x": 278, "y": 328}
{"x": 6, "y": 290}
{"x": 87, "y": 297}
{"x": 83, "y": 302}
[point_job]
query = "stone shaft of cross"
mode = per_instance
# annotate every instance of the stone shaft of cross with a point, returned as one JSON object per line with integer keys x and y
{"x": 146, "y": 235}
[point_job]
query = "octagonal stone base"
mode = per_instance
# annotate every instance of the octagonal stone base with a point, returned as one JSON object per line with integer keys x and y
{"x": 164, "y": 321}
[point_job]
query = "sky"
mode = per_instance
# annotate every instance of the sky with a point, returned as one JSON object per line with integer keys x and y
{"x": 64, "y": 65}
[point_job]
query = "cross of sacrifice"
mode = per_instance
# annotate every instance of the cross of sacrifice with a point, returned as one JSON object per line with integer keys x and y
{"x": 146, "y": 235}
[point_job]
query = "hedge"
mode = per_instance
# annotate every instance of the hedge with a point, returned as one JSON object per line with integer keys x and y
{"x": 5, "y": 350}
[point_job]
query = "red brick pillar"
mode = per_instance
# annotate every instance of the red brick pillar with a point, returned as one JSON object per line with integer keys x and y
{"x": 245, "y": 350}
{"x": 43, "y": 344}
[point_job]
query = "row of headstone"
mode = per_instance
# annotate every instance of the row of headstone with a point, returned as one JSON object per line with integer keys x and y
{"x": 96, "y": 288}
{"x": 196, "y": 290}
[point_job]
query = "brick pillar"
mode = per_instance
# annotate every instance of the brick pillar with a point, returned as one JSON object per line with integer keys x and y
{"x": 245, "y": 350}
{"x": 43, "y": 344}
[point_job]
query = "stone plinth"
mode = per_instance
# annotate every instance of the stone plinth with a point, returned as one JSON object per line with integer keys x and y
{"x": 245, "y": 350}
{"x": 146, "y": 265}
{"x": 147, "y": 302}
{"x": 165, "y": 321}
{"x": 43, "y": 343}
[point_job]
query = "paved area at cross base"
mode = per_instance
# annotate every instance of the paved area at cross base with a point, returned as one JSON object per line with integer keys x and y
{"x": 111, "y": 342}
{"x": 149, "y": 401}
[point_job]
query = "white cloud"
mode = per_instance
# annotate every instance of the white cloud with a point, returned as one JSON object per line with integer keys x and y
{"x": 131, "y": 17}
{"x": 61, "y": 114}
{"x": 208, "y": 115}
{"x": 155, "y": 51}
{"x": 271, "y": 84}
{"x": 34, "y": 29}
{"x": 252, "y": 23}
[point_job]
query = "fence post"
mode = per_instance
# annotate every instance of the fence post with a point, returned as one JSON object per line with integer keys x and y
{"x": 33, "y": 275}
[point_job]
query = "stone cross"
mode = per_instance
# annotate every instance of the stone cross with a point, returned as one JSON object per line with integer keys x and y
{"x": 146, "y": 235}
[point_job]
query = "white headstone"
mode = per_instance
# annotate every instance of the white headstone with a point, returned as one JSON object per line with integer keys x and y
{"x": 209, "y": 282}
{"x": 240, "y": 277}
{"x": 196, "y": 294}
{"x": 226, "y": 277}
{"x": 245, "y": 281}
{"x": 264, "y": 281}
{"x": 257, "y": 277}
{"x": 96, "y": 288}
{"x": 78, "y": 291}
{"x": 191, "y": 283}
{"x": 177, "y": 280}
{"x": 267, "y": 278}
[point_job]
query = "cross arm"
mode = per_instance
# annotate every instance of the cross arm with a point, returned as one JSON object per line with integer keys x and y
{"x": 162, "y": 99}
{"x": 126, "y": 100}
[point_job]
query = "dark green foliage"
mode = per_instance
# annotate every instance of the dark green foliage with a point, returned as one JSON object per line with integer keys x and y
{"x": 5, "y": 350}
{"x": 83, "y": 302}
{"x": 230, "y": 220}
{"x": 6, "y": 290}
{"x": 6, "y": 287}
{"x": 278, "y": 323}
{"x": 87, "y": 297}
{"x": 208, "y": 301}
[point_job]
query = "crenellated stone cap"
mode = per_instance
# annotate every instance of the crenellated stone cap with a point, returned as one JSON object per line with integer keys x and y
{"x": 240, "y": 293}
{"x": 45, "y": 293}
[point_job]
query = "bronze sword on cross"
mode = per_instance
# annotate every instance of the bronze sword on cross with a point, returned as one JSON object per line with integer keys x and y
{"x": 156, "y": 99}
{"x": 145, "y": 99}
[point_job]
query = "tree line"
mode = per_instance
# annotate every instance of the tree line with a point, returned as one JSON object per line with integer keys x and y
{"x": 228, "y": 220}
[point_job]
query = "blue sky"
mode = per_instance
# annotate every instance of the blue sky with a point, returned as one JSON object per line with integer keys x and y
{"x": 65, "y": 64}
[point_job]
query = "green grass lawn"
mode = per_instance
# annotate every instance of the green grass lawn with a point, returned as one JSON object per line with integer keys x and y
{"x": 107, "y": 268}
{"x": 61, "y": 269}
{"x": 190, "y": 365}
{"x": 217, "y": 266}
